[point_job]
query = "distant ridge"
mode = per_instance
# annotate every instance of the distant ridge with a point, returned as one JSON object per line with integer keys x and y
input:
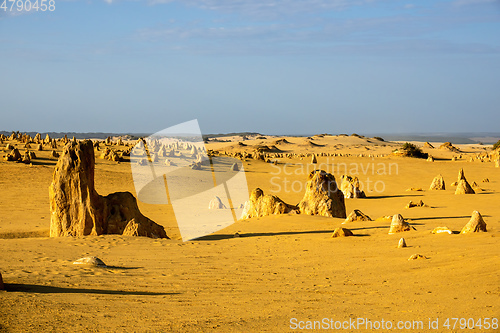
{"x": 455, "y": 138}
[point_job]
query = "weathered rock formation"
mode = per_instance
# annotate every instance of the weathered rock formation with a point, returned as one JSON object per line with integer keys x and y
{"x": 463, "y": 186}
{"x": 14, "y": 155}
{"x": 401, "y": 243}
{"x": 261, "y": 204}
{"x": 398, "y": 224}
{"x": 2, "y": 287}
{"x": 342, "y": 232}
{"x": 350, "y": 187}
{"x": 322, "y": 196}
{"x": 412, "y": 204}
{"x": 476, "y": 224}
{"x": 428, "y": 145}
{"x": 110, "y": 155}
{"x": 449, "y": 146}
{"x": 356, "y": 215}
{"x": 437, "y": 183}
{"x": 77, "y": 209}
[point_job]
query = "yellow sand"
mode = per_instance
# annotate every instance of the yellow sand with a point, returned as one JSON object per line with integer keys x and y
{"x": 282, "y": 267}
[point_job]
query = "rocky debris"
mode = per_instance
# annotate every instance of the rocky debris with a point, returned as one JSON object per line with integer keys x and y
{"x": 314, "y": 160}
{"x": 350, "y": 187}
{"x": 454, "y": 184}
{"x": 442, "y": 230}
{"x": 90, "y": 261}
{"x": 449, "y": 146}
{"x": 417, "y": 256}
{"x": 428, "y": 145}
{"x": 398, "y": 224}
{"x": 235, "y": 167}
{"x": 437, "y": 183}
{"x": 412, "y": 204}
{"x": 322, "y": 196}
{"x": 39, "y": 147}
{"x": 430, "y": 159}
{"x": 9, "y": 147}
{"x": 401, "y": 243}
{"x": 342, "y": 232}
{"x": 54, "y": 154}
{"x": 486, "y": 180}
{"x": 216, "y": 203}
{"x": 261, "y": 204}
{"x": 78, "y": 210}
{"x": 463, "y": 186}
{"x": 356, "y": 215}
{"x": 475, "y": 224}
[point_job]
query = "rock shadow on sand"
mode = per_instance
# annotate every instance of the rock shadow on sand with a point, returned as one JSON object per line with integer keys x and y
{"x": 393, "y": 196}
{"x": 41, "y": 289}
{"x": 265, "y": 234}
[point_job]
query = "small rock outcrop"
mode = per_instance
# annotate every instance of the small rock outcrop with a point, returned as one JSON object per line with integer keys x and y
{"x": 476, "y": 224}
{"x": 417, "y": 256}
{"x": 2, "y": 287}
{"x": 437, "y": 183}
{"x": 322, "y": 196}
{"x": 412, "y": 204}
{"x": 442, "y": 230}
{"x": 90, "y": 261}
{"x": 216, "y": 203}
{"x": 401, "y": 243}
{"x": 398, "y": 224}
{"x": 350, "y": 187}
{"x": 261, "y": 204}
{"x": 78, "y": 210}
{"x": 428, "y": 145}
{"x": 356, "y": 215}
{"x": 342, "y": 232}
{"x": 14, "y": 155}
{"x": 449, "y": 146}
{"x": 463, "y": 187}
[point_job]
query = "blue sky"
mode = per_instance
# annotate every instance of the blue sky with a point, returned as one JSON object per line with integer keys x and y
{"x": 284, "y": 66}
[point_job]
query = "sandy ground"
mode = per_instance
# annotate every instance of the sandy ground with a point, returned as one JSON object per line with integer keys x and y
{"x": 281, "y": 267}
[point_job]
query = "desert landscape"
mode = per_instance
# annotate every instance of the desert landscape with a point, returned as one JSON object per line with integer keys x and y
{"x": 409, "y": 236}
